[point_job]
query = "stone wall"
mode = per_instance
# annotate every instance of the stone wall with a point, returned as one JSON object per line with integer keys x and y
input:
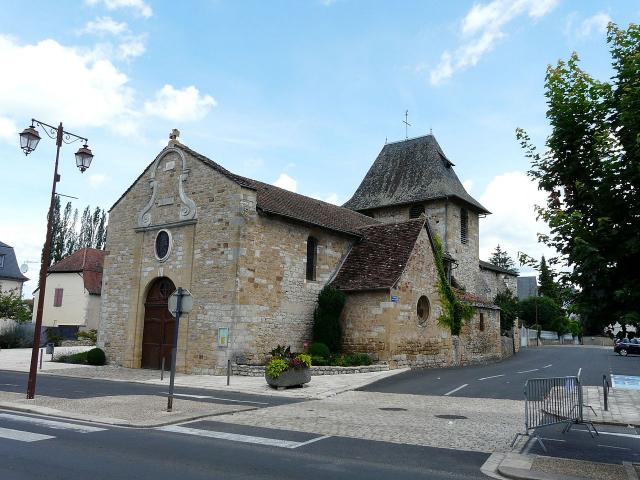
{"x": 444, "y": 220}
{"x": 491, "y": 283}
{"x": 258, "y": 370}
{"x": 507, "y": 347}
{"x": 246, "y": 271}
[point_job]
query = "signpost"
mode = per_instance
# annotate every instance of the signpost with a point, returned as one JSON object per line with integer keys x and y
{"x": 179, "y": 302}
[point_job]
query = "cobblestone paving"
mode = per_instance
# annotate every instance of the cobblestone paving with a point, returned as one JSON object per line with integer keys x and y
{"x": 490, "y": 424}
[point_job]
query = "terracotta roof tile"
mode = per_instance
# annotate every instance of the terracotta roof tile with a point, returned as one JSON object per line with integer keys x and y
{"x": 378, "y": 260}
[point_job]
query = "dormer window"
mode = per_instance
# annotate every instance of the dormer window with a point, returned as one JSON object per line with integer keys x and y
{"x": 416, "y": 210}
{"x": 464, "y": 225}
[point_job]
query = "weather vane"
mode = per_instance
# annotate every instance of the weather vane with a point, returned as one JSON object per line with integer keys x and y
{"x": 406, "y": 124}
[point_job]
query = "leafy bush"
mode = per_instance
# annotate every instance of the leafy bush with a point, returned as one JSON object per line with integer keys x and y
{"x": 320, "y": 361}
{"x": 509, "y": 305}
{"x": 14, "y": 307}
{"x": 53, "y": 336}
{"x": 14, "y": 337}
{"x": 77, "y": 358}
{"x": 96, "y": 356}
{"x": 91, "y": 335}
{"x": 276, "y": 366}
{"x": 319, "y": 349}
{"x": 305, "y": 359}
{"x": 326, "y": 318}
{"x": 357, "y": 359}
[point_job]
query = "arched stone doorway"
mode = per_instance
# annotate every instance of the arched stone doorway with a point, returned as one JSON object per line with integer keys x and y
{"x": 157, "y": 336}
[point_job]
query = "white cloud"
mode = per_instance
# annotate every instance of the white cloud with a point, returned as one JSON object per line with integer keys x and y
{"x": 8, "y": 130}
{"x": 286, "y": 182}
{"x": 331, "y": 198}
{"x": 105, "y": 25}
{"x": 81, "y": 89}
{"x": 596, "y": 24}
{"x": 96, "y": 180}
{"x": 467, "y": 184}
{"x": 181, "y": 105}
{"x": 511, "y": 198}
{"x": 131, "y": 47}
{"x": 481, "y": 29}
{"x": 138, "y": 5}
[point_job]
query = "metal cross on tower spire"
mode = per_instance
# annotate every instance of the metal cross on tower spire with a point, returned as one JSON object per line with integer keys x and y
{"x": 406, "y": 124}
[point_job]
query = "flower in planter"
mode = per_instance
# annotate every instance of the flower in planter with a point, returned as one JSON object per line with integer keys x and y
{"x": 282, "y": 359}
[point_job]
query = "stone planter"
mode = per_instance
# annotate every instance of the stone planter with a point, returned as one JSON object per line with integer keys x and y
{"x": 290, "y": 378}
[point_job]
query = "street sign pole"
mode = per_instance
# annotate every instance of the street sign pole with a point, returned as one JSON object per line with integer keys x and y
{"x": 174, "y": 348}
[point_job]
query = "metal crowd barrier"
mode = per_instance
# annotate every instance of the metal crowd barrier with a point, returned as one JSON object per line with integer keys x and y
{"x": 553, "y": 401}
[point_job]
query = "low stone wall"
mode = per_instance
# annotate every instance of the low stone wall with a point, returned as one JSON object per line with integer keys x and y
{"x": 258, "y": 370}
{"x": 507, "y": 347}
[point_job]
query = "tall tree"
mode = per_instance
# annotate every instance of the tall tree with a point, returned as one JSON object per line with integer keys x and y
{"x": 548, "y": 286}
{"x": 501, "y": 258}
{"x": 591, "y": 173}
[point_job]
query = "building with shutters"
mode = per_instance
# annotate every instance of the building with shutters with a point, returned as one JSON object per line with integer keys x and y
{"x": 255, "y": 257}
{"x": 72, "y": 296}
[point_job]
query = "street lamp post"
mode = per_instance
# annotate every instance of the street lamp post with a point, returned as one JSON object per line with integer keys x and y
{"x": 29, "y": 139}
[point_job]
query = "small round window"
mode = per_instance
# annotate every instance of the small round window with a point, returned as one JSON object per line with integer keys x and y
{"x": 163, "y": 244}
{"x": 423, "y": 309}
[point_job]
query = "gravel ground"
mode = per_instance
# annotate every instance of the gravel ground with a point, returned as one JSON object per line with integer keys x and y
{"x": 407, "y": 419}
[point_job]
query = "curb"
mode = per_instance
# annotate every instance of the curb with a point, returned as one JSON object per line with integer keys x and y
{"x": 523, "y": 474}
{"x": 118, "y": 422}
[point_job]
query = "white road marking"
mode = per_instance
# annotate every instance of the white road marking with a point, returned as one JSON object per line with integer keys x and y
{"x": 456, "y": 389}
{"x": 21, "y": 436}
{"x": 527, "y": 371}
{"x": 235, "y": 437}
{"x": 52, "y": 424}
{"x": 547, "y": 366}
{"x": 628, "y": 435}
{"x": 553, "y": 439}
{"x": 493, "y": 376}
{"x": 10, "y": 384}
{"x": 611, "y": 446}
{"x": 187, "y": 395}
{"x": 313, "y": 440}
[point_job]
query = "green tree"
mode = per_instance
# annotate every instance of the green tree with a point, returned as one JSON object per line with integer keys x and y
{"x": 501, "y": 258}
{"x": 326, "y": 318}
{"x": 509, "y": 307}
{"x": 14, "y": 307}
{"x": 545, "y": 312}
{"x": 590, "y": 171}
{"x": 548, "y": 286}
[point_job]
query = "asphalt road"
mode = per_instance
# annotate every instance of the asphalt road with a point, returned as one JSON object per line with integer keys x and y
{"x": 61, "y": 452}
{"x": 506, "y": 379}
{"x": 70, "y": 387}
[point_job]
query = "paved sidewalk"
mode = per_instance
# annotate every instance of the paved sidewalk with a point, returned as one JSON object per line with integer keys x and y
{"x": 19, "y": 359}
{"x": 321, "y": 386}
{"x": 624, "y": 406}
{"x": 538, "y": 467}
{"x": 123, "y": 410}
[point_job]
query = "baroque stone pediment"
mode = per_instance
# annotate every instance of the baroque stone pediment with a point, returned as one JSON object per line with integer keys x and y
{"x": 168, "y": 178}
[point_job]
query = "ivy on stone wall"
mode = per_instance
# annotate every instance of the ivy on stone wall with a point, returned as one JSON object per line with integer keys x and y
{"x": 454, "y": 311}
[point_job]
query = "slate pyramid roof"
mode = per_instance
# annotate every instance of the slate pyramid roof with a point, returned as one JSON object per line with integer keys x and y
{"x": 410, "y": 171}
{"x": 10, "y": 269}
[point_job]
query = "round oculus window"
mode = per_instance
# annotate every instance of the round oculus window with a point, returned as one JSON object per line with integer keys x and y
{"x": 163, "y": 244}
{"x": 423, "y": 310}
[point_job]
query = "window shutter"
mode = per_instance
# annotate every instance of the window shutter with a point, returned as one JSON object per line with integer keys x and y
{"x": 464, "y": 225}
{"x": 57, "y": 297}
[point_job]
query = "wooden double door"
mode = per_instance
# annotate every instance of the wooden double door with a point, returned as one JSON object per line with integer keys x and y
{"x": 157, "y": 336}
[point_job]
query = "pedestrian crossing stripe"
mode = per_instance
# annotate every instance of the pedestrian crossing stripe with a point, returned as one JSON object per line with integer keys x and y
{"x": 21, "y": 436}
{"x": 41, "y": 422}
{"x": 235, "y": 437}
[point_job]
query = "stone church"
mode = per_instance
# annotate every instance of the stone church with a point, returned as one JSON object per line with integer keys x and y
{"x": 255, "y": 257}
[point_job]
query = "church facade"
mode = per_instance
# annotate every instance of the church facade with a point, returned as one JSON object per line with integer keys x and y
{"x": 255, "y": 258}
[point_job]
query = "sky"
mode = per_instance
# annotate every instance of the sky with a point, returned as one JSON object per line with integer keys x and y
{"x": 302, "y": 94}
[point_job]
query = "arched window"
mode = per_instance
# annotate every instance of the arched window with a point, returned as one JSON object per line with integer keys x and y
{"x": 464, "y": 225}
{"x": 416, "y": 210}
{"x": 312, "y": 257}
